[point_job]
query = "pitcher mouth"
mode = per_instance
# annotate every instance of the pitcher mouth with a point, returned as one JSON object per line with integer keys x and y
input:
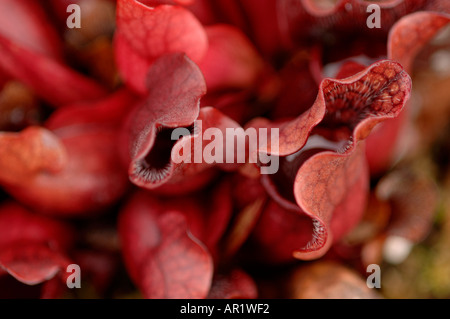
{"x": 156, "y": 165}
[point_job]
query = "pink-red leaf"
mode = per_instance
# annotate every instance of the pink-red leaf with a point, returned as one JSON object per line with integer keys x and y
{"x": 51, "y": 80}
{"x": 162, "y": 256}
{"x": 406, "y": 39}
{"x": 231, "y": 60}
{"x": 26, "y": 24}
{"x": 110, "y": 111}
{"x": 19, "y": 225}
{"x": 332, "y": 190}
{"x": 410, "y": 34}
{"x": 340, "y": 180}
{"x": 32, "y": 263}
{"x": 233, "y": 285}
{"x": 32, "y": 248}
{"x": 180, "y": 266}
{"x": 166, "y": 29}
{"x": 33, "y": 151}
{"x": 176, "y": 86}
{"x": 328, "y": 177}
{"x": 90, "y": 180}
